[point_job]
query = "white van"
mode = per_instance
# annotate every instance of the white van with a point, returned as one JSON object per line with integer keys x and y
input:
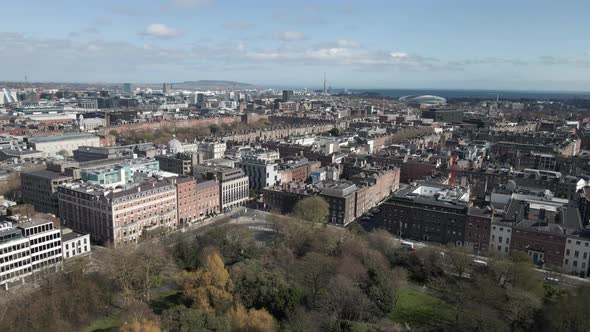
{"x": 407, "y": 245}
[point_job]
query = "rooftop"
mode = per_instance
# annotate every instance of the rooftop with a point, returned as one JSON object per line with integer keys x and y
{"x": 61, "y": 138}
{"x": 10, "y": 152}
{"x": 33, "y": 223}
{"x": 96, "y": 190}
{"x": 206, "y": 184}
{"x": 434, "y": 194}
{"x": 337, "y": 188}
{"x": 70, "y": 236}
{"x": 47, "y": 174}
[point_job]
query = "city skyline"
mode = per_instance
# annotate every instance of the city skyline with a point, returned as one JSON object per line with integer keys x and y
{"x": 373, "y": 44}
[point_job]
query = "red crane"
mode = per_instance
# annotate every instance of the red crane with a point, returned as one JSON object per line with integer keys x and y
{"x": 453, "y": 159}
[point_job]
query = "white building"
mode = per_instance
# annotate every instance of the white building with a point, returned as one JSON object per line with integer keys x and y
{"x": 175, "y": 146}
{"x": 52, "y": 145}
{"x": 577, "y": 256}
{"x": 212, "y": 150}
{"x": 74, "y": 244}
{"x": 262, "y": 170}
{"x": 173, "y": 106}
{"x": 500, "y": 236}
{"x": 45, "y": 243}
{"x": 234, "y": 190}
{"x": 8, "y": 97}
{"x": 28, "y": 248}
{"x": 92, "y": 123}
{"x": 15, "y": 256}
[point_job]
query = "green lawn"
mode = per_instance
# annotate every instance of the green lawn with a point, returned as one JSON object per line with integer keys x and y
{"x": 166, "y": 300}
{"x": 163, "y": 301}
{"x": 110, "y": 323}
{"x": 419, "y": 308}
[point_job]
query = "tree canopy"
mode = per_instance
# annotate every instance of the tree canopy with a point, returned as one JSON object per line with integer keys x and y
{"x": 313, "y": 209}
{"x": 302, "y": 278}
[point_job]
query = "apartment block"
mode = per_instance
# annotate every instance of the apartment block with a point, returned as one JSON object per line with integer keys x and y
{"x": 39, "y": 188}
{"x": 121, "y": 215}
{"x": 261, "y": 172}
{"x": 233, "y": 184}
{"x": 429, "y": 212}
{"x": 28, "y": 248}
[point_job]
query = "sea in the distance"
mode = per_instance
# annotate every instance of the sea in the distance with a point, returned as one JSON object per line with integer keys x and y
{"x": 480, "y": 94}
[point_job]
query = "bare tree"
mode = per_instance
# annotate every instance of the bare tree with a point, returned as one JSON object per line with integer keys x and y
{"x": 458, "y": 259}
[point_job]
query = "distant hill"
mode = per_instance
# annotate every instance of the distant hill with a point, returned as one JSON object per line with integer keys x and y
{"x": 212, "y": 84}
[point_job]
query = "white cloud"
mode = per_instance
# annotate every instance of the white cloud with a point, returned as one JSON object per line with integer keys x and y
{"x": 160, "y": 30}
{"x": 348, "y": 43}
{"x": 291, "y": 36}
{"x": 398, "y": 55}
{"x": 93, "y": 48}
{"x": 326, "y": 55}
{"x": 192, "y": 3}
{"x": 75, "y": 59}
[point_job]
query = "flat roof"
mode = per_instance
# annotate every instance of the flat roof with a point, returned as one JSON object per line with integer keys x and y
{"x": 206, "y": 184}
{"x": 71, "y": 236}
{"x": 33, "y": 223}
{"x": 11, "y": 152}
{"x": 47, "y": 174}
{"x": 60, "y": 138}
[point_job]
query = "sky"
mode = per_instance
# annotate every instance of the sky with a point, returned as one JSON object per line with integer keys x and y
{"x": 389, "y": 44}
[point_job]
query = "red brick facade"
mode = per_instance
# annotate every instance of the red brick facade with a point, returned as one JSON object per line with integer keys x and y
{"x": 208, "y": 199}
{"x": 186, "y": 191}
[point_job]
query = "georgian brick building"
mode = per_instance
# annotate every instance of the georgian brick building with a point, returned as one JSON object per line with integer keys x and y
{"x": 207, "y": 198}
{"x": 186, "y": 192}
{"x": 118, "y": 216}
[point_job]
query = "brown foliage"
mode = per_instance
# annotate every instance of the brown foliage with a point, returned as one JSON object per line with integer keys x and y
{"x": 64, "y": 302}
{"x": 141, "y": 326}
{"x": 252, "y": 320}
{"x": 209, "y": 288}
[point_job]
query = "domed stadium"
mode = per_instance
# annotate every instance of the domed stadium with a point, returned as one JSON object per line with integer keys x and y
{"x": 423, "y": 100}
